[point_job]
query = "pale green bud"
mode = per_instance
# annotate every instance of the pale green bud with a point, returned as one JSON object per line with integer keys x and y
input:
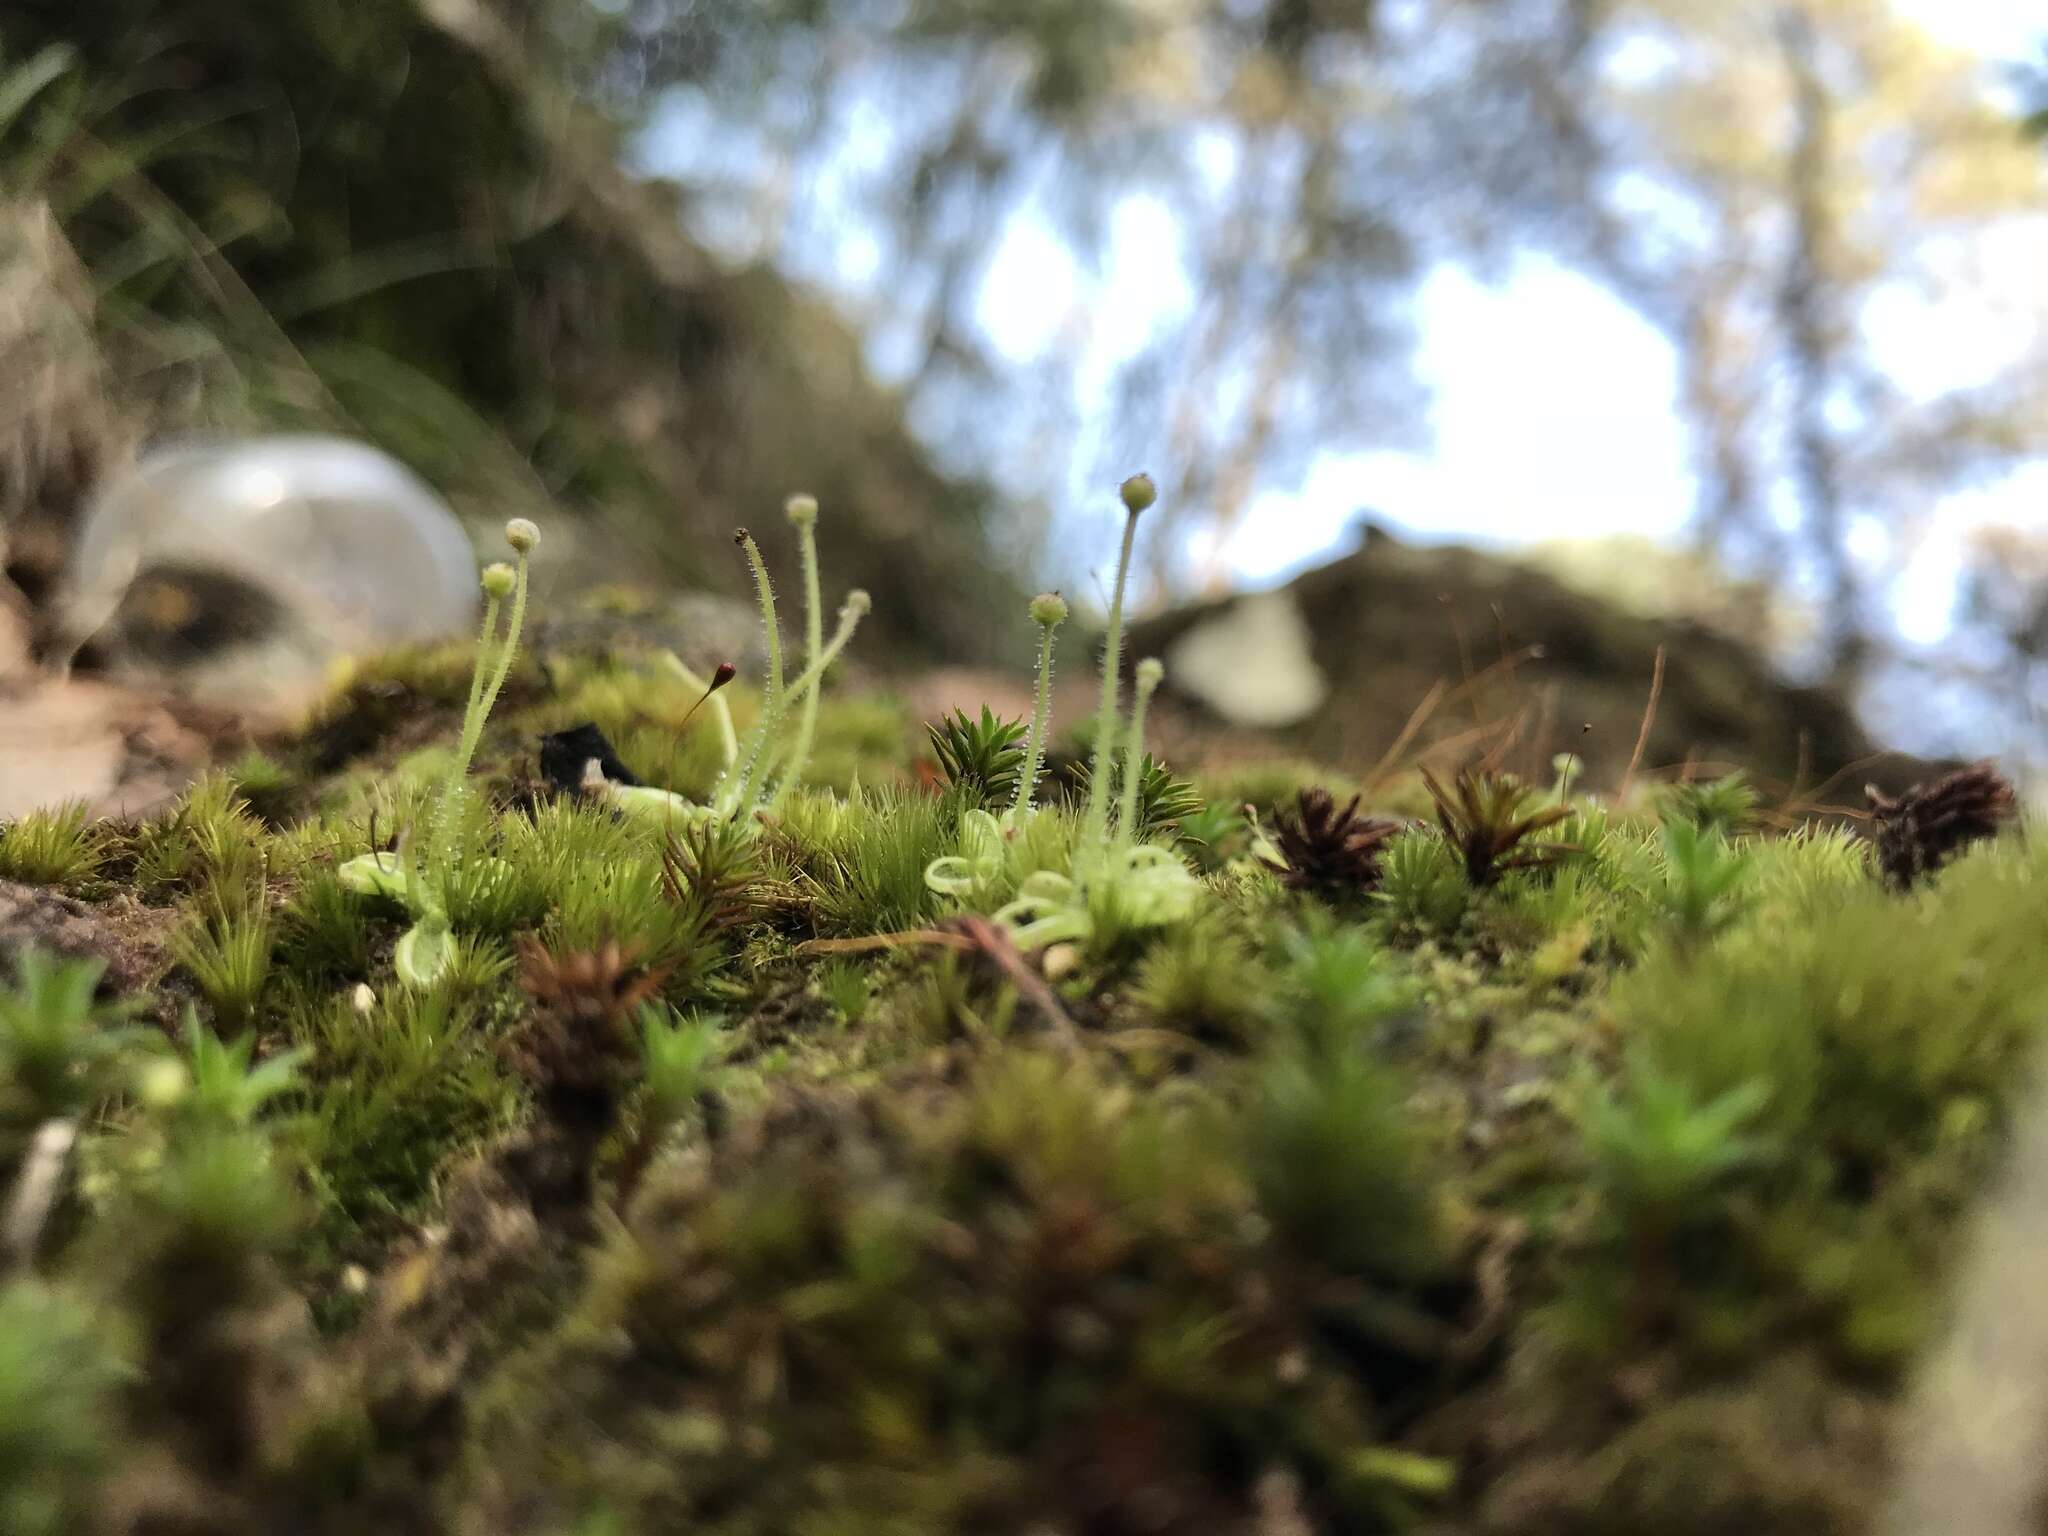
{"x": 521, "y": 534}
{"x": 1138, "y": 492}
{"x": 1049, "y": 609}
{"x": 499, "y": 579}
{"x": 1151, "y": 671}
{"x": 801, "y": 510}
{"x": 162, "y": 1083}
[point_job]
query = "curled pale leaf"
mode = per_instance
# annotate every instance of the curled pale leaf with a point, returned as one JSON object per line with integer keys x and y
{"x": 951, "y": 875}
{"x": 373, "y": 874}
{"x": 424, "y": 951}
{"x": 1049, "y": 909}
{"x": 969, "y": 874}
{"x": 644, "y": 802}
{"x": 1146, "y": 887}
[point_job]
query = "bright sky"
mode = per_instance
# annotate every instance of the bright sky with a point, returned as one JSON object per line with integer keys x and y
{"x": 1513, "y": 456}
{"x": 1516, "y": 457}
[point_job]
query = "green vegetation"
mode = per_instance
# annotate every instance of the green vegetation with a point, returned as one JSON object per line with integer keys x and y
{"x": 984, "y": 756}
{"x": 438, "y": 868}
{"x": 51, "y": 847}
{"x": 57, "y": 1045}
{"x": 882, "y": 1157}
{"x": 226, "y": 951}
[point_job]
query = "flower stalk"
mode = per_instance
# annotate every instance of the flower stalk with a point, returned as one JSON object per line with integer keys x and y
{"x": 748, "y": 768}
{"x": 772, "y": 700}
{"x": 1137, "y": 494}
{"x": 1150, "y": 673}
{"x": 802, "y": 512}
{"x": 1048, "y": 611}
{"x": 418, "y": 871}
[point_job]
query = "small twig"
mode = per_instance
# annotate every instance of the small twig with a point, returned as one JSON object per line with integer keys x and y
{"x": 1485, "y": 675}
{"x": 1458, "y": 747}
{"x": 1441, "y": 693}
{"x": 1804, "y": 765}
{"x": 1811, "y": 801}
{"x": 1464, "y": 658}
{"x": 1542, "y": 740}
{"x": 1635, "y": 758}
{"x": 990, "y": 940}
{"x": 1500, "y": 630}
{"x": 874, "y": 941}
{"x": 1382, "y": 770}
{"x": 1496, "y": 755}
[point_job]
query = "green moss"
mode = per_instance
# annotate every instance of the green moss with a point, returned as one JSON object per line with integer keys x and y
{"x": 735, "y": 1178}
{"x": 1204, "y": 980}
{"x": 226, "y": 951}
{"x": 869, "y": 868}
{"x": 961, "y": 1309}
{"x": 58, "y": 846}
{"x": 1876, "y": 1038}
{"x": 60, "y": 1370}
{"x": 392, "y": 1092}
{"x": 208, "y": 841}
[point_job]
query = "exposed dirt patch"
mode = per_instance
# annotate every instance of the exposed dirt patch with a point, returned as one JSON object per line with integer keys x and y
{"x": 128, "y": 936}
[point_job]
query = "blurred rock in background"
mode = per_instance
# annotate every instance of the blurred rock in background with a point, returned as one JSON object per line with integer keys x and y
{"x": 1528, "y": 667}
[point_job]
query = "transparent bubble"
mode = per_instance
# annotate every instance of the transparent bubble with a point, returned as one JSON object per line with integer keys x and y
{"x": 275, "y": 554}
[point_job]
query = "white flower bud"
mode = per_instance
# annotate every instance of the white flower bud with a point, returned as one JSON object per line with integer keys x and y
{"x": 801, "y": 510}
{"x": 521, "y": 534}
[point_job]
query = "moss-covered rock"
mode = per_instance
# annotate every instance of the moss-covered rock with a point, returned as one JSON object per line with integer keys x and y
{"x": 531, "y": 1146}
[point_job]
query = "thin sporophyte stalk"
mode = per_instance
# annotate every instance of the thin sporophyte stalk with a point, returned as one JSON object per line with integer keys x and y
{"x": 744, "y": 785}
{"x": 1150, "y": 672}
{"x": 1137, "y": 494}
{"x": 802, "y": 512}
{"x": 1048, "y": 611}
{"x": 728, "y": 740}
{"x": 772, "y": 700}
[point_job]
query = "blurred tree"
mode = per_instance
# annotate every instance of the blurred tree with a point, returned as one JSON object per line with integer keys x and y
{"x": 1788, "y": 188}
{"x": 2033, "y": 85}
{"x": 1771, "y": 182}
{"x": 1264, "y": 132}
{"x": 1782, "y": 187}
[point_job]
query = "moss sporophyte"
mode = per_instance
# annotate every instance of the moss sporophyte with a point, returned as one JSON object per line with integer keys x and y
{"x": 1113, "y": 878}
{"x": 750, "y": 780}
{"x": 417, "y": 872}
